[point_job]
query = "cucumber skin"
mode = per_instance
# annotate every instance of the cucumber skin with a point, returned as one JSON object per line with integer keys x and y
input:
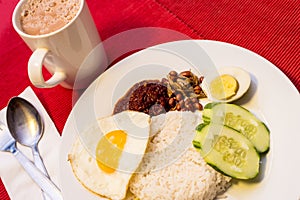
{"x": 198, "y": 129}
{"x": 206, "y": 119}
{"x": 200, "y": 126}
{"x": 241, "y": 178}
{"x": 197, "y": 145}
{"x": 211, "y": 105}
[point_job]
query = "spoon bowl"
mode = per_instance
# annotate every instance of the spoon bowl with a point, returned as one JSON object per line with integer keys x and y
{"x": 24, "y": 122}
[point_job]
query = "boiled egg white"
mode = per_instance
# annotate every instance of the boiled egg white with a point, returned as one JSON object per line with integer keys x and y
{"x": 107, "y": 168}
{"x": 230, "y": 84}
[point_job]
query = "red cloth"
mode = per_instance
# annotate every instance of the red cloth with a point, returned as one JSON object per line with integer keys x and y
{"x": 269, "y": 28}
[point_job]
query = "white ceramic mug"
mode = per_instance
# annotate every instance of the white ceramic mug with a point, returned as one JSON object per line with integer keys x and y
{"x": 73, "y": 54}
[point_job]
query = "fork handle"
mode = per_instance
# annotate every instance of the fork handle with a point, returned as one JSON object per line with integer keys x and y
{"x": 37, "y": 176}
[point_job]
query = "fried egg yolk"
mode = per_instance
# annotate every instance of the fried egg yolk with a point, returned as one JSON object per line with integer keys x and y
{"x": 109, "y": 150}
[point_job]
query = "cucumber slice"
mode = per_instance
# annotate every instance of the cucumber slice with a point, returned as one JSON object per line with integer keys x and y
{"x": 241, "y": 120}
{"x": 227, "y": 151}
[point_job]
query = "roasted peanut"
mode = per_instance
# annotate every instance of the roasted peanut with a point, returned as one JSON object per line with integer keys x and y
{"x": 179, "y": 97}
{"x": 201, "y": 78}
{"x": 186, "y": 74}
{"x": 198, "y": 106}
{"x": 197, "y": 89}
{"x": 172, "y": 102}
{"x": 173, "y": 73}
{"x": 194, "y": 100}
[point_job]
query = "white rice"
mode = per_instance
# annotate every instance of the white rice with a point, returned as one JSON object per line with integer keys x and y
{"x": 172, "y": 168}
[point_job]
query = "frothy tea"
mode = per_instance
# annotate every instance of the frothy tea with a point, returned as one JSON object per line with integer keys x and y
{"x": 40, "y": 17}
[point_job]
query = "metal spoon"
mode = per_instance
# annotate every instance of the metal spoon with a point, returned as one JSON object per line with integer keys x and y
{"x": 8, "y": 143}
{"x": 26, "y": 127}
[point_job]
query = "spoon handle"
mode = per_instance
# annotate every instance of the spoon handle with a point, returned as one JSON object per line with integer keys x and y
{"x": 40, "y": 179}
{"x": 38, "y": 162}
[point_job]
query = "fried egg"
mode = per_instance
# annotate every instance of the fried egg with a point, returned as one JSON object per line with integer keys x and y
{"x": 105, "y": 162}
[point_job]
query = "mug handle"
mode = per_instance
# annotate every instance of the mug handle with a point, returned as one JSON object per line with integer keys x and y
{"x": 35, "y": 65}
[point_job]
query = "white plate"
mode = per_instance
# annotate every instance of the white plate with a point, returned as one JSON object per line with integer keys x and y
{"x": 272, "y": 97}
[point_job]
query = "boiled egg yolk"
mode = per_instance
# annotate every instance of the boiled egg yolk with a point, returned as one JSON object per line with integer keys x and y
{"x": 224, "y": 87}
{"x": 109, "y": 150}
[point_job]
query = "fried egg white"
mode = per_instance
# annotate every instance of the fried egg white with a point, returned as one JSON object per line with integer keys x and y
{"x": 106, "y": 168}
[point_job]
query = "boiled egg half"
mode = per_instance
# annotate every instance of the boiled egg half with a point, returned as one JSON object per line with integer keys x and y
{"x": 107, "y": 169}
{"x": 230, "y": 84}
